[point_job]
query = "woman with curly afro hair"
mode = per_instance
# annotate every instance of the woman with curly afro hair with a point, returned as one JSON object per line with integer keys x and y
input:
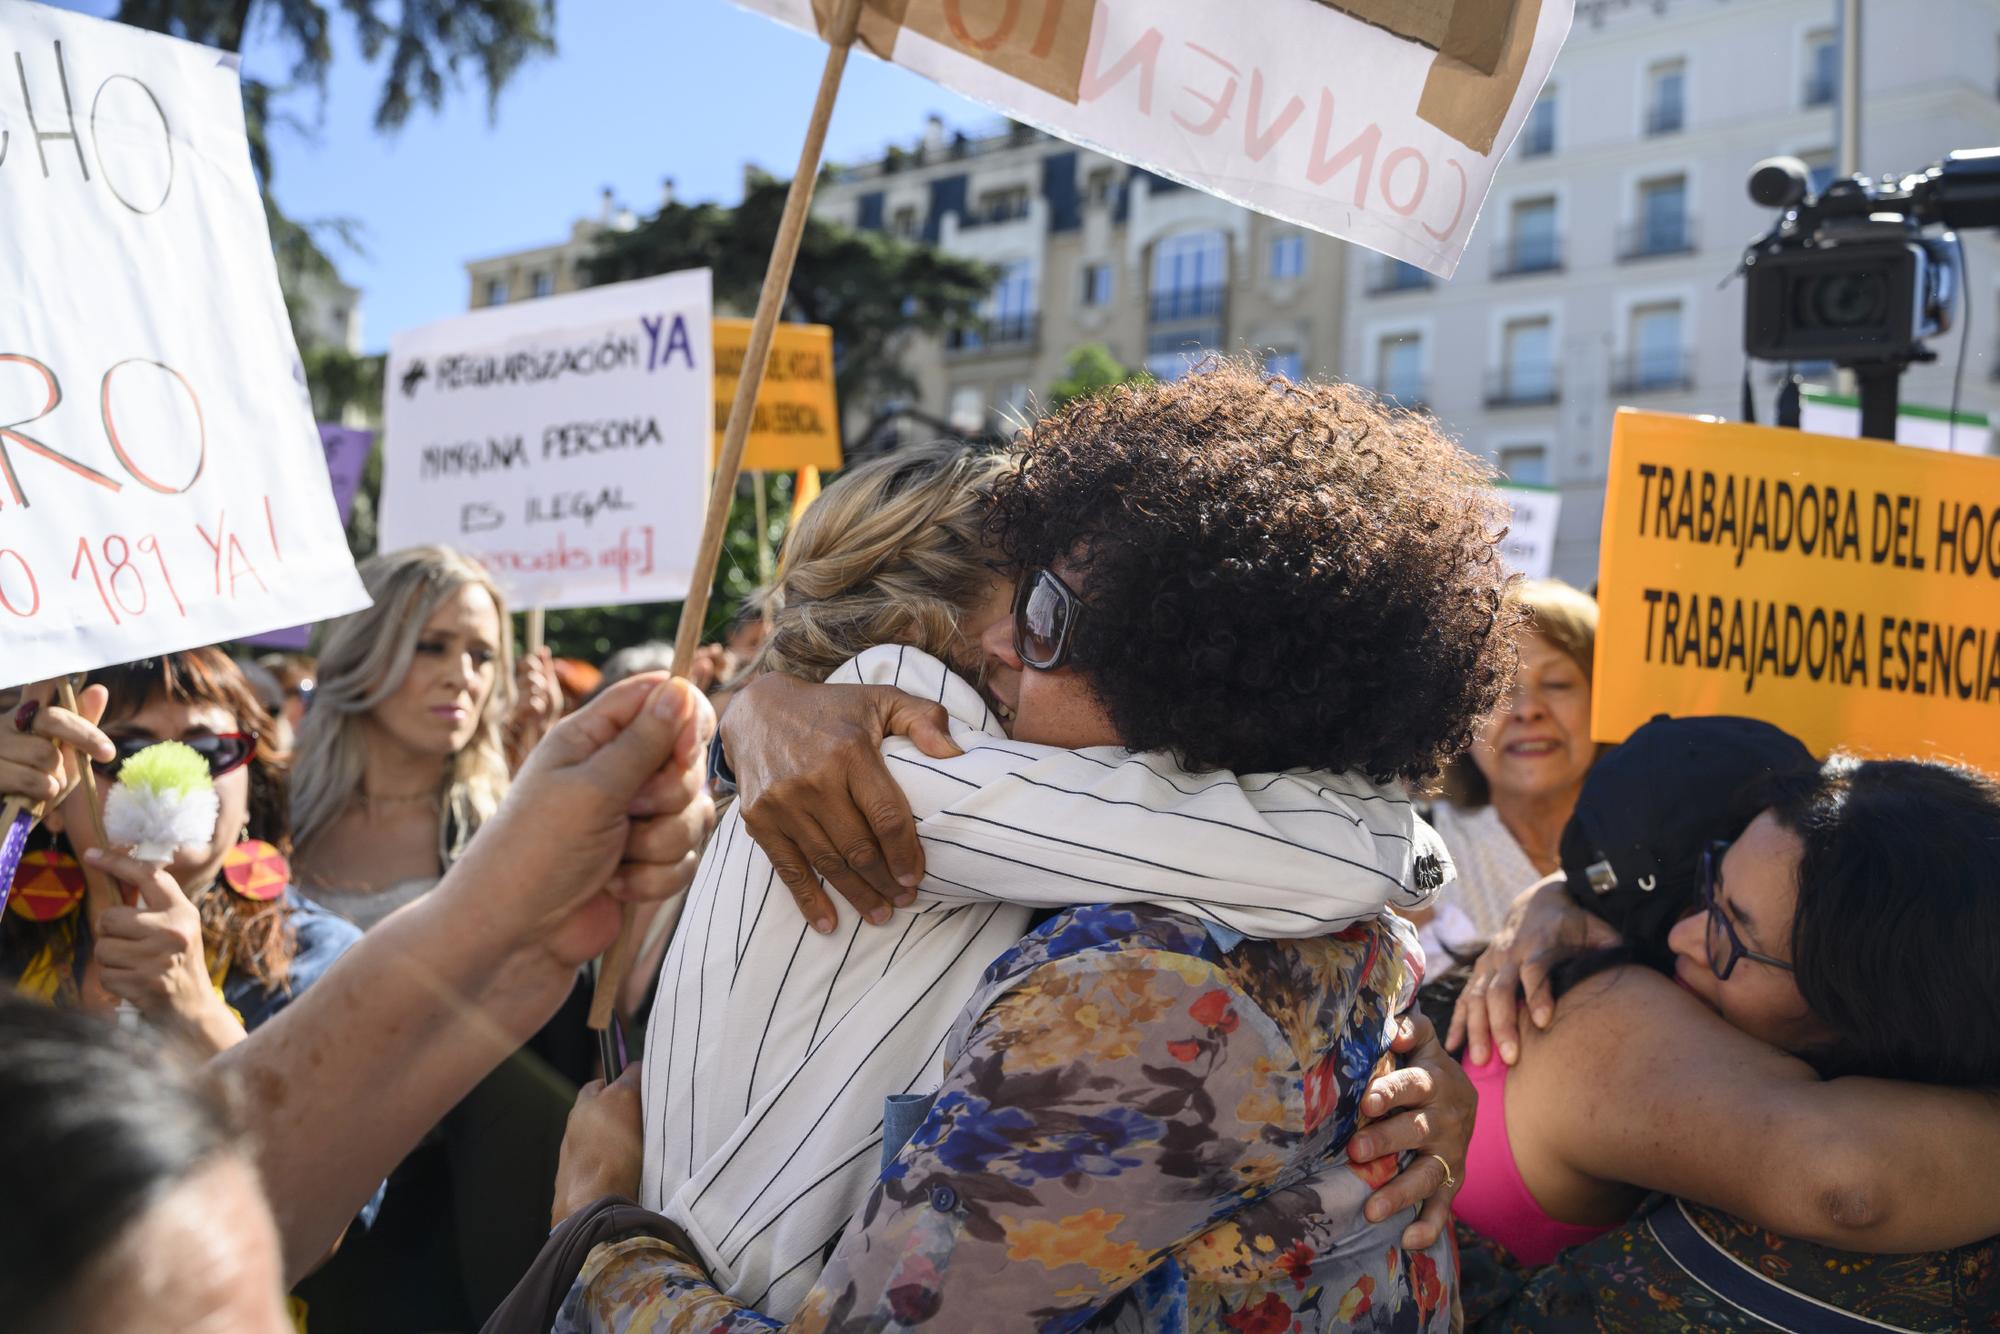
{"x": 1274, "y": 574}
{"x": 1226, "y": 618}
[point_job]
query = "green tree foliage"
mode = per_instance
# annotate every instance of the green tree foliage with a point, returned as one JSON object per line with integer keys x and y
{"x": 429, "y": 44}
{"x": 869, "y": 287}
{"x": 1091, "y": 370}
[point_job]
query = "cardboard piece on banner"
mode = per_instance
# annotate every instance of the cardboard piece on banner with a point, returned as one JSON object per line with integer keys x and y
{"x": 1470, "y": 103}
{"x": 797, "y": 423}
{"x": 1845, "y": 590}
{"x": 173, "y": 493}
{"x": 1045, "y": 51}
{"x": 1471, "y": 31}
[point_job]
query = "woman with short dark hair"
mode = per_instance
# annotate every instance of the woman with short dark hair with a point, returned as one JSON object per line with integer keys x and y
{"x": 1842, "y": 941}
{"x": 132, "y": 1202}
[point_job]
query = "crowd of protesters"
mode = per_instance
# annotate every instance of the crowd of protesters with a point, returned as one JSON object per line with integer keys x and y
{"x": 1109, "y": 825}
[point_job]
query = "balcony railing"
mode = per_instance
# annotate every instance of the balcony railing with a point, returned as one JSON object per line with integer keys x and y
{"x": 1820, "y": 90}
{"x": 1395, "y": 276}
{"x": 1654, "y": 237}
{"x": 1184, "y": 303}
{"x": 1002, "y": 333}
{"x": 1527, "y": 254}
{"x": 1523, "y": 386}
{"x": 1653, "y": 372}
{"x": 1667, "y": 118}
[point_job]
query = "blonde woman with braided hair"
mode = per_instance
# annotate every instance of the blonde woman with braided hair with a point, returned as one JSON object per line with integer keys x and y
{"x": 402, "y": 755}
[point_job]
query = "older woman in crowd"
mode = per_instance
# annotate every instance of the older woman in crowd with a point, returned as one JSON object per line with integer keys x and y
{"x": 1507, "y": 799}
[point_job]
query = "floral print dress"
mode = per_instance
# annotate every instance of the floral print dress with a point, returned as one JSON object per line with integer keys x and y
{"x": 1142, "y": 1128}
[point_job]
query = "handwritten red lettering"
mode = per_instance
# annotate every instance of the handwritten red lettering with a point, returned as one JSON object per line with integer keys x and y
{"x": 9, "y": 434}
{"x": 118, "y": 445}
{"x": 271, "y": 527}
{"x": 1258, "y": 143}
{"x": 1458, "y": 213}
{"x": 215, "y": 544}
{"x": 151, "y": 545}
{"x": 1361, "y": 149}
{"x": 1143, "y": 57}
{"x": 1389, "y": 165}
{"x": 1218, "y": 106}
{"x": 27, "y": 573}
{"x": 954, "y": 15}
{"x": 240, "y": 567}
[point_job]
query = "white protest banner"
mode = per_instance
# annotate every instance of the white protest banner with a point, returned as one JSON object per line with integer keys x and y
{"x": 563, "y": 441}
{"x": 1926, "y": 428}
{"x": 1379, "y": 121}
{"x": 162, "y": 484}
{"x": 1530, "y": 545}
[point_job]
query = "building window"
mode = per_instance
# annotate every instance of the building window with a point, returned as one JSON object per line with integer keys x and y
{"x": 1659, "y": 358}
{"x": 1011, "y": 312}
{"x": 968, "y": 408}
{"x": 904, "y": 222}
{"x": 1524, "y": 465}
{"x": 1399, "y": 374}
{"x": 1172, "y": 354}
{"x": 1285, "y": 361}
{"x": 1819, "y": 169}
{"x": 1393, "y": 275}
{"x": 542, "y": 283}
{"x": 493, "y": 292}
{"x": 1011, "y": 412}
{"x": 1003, "y": 205}
{"x": 1532, "y": 244}
{"x": 1189, "y": 273}
{"x": 1538, "y": 136}
{"x": 1666, "y": 97}
{"x": 1096, "y": 285}
{"x": 1527, "y": 363}
{"x": 1663, "y": 226}
{"x": 1288, "y": 256}
{"x": 1822, "y": 68}
{"x": 1099, "y": 186}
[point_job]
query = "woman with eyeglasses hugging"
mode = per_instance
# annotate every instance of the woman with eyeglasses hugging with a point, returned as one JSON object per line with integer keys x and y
{"x": 1810, "y": 1083}
{"x": 216, "y": 941}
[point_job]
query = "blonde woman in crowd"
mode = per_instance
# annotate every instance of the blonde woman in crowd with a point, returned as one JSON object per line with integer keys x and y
{"x": 402, "y": 757}
{"x": 403, "y": 753}
{"x": 1507, "y": 799}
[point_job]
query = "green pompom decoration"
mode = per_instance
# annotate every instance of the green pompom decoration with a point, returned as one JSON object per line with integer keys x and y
{"x": 167, "y": 767}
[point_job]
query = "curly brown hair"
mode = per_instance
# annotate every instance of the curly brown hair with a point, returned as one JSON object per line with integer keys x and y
{"x": 1279, "y": 574}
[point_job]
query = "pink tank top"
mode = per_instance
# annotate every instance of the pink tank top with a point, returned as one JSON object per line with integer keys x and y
{"x": 1495, "y": 1201}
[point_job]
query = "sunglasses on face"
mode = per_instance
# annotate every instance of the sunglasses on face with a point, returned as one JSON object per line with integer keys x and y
{"x": 1721, "y": 932}
{"x": 1046, "y": 611}
{"x": 224, "y": 751}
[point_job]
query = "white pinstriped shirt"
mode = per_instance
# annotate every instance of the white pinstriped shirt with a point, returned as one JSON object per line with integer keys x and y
{"x": 771, "y": 1050}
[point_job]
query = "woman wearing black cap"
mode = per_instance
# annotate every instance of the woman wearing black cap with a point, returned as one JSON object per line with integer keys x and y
{"x": 1840, "y": 941}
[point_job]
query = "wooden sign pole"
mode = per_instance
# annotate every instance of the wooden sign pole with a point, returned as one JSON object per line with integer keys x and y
{"x": 770, "y": 304}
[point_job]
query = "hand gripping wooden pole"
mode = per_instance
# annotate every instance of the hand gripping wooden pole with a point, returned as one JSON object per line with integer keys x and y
{"x": 770, "y": 304}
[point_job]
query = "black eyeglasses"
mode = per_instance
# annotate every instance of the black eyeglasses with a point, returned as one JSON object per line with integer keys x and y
{"x": 1720, "y": 928}
{"x": 1046, "y": 611}
{"x": 224, "y": 751}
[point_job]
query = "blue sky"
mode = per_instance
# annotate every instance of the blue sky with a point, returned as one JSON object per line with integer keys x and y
{"x": 638, "y": 90}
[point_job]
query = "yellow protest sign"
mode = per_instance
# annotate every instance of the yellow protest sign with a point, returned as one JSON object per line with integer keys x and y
{"x": 1845, "y": 590}
{"x": 798, "y": 422}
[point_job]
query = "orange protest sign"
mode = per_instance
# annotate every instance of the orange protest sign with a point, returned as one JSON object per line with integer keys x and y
{"x": 798, "y": 421}
{"x": 1845, "y": 590}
